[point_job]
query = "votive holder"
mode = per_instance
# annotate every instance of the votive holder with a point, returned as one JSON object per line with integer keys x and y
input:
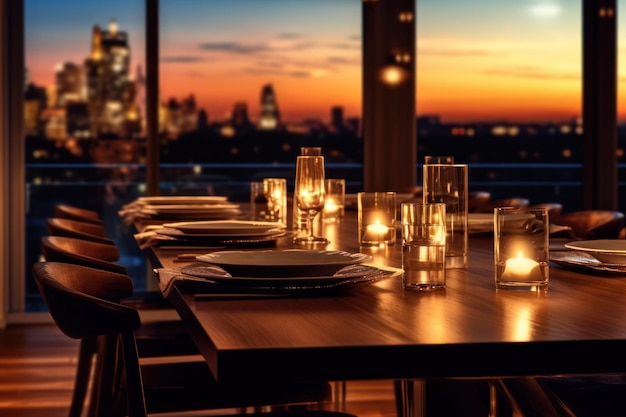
{"x": 521, "y": 242}
{"x": 376, "y": 218}
{"x": 335, "y": 201}
{"x": 275, "y": 190}
{"x": 258, "y": 201}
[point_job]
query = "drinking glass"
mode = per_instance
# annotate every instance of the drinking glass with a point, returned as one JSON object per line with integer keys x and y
{"x": 299, "y": 222}
{"x": 310, "y": 193}
{"x": 447, "y": 183}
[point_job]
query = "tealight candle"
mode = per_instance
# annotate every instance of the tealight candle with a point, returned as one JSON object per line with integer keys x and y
{"x": 330, "y": 207}
{"x": 521, "y": 269}
{"x": 521, "y": 254}
{"x": 377, "y": 231}
{"x": 376, "y": 218}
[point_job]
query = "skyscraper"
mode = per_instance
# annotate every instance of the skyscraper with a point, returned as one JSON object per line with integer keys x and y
{"x": 110, "y": 93}
{"x": 69, "y": 84}
{"x": 270, "y": 115}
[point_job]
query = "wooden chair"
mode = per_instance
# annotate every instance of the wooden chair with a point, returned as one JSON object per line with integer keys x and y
{"x": 505, "y": 202}
{"x": 77, "y": 213}
{"x": 84, "y": 303}
{"x": 78, "y": 229}
{"x": 82, "y": 252}
{"x": 156, "y": 337}
{"x": 593, "y": 224}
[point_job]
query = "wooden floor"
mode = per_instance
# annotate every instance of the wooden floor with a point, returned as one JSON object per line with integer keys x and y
{"x": 37, "y": 365}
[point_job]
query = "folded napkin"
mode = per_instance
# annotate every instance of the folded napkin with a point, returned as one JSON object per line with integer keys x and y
{"x": 131, "y": 212}
{"x": 188, "y": 283}
{"x": 150, "y": 238}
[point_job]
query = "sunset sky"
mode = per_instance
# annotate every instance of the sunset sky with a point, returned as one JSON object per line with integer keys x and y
{"x": 483, "y": 60}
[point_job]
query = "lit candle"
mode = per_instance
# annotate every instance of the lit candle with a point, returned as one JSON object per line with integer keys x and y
{"x": 277, "y": 195}
{"x": 521, "y": 269}
{"x": 376, "y": 232}
{"x": 330, "y": 207}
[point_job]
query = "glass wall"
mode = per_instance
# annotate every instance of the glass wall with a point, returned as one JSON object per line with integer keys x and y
{"x": 83, "y": 117}
{"x": 244, "y": 84}
{"x": 500, "y": 82}
{"x": 242, "y": 87}
{"x": 251, "y": 82}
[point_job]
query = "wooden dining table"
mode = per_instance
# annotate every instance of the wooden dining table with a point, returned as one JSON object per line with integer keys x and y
{"x": 380, "y": 330}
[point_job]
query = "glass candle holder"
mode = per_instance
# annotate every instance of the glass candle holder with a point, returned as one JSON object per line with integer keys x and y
{"x": 258, "y": 201}
{"x": 335, "y": 202}
{"x": 521, "y": 241}
{"x": 376, "y": 218}
{"x": 275, "y": 190}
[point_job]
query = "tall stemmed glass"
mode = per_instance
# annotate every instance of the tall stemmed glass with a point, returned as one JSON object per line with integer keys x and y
{"x": 309, "y": 194}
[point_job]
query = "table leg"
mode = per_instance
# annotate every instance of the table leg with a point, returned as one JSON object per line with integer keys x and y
{"x": 339, "y": 396}
{"x": 412, "y": 397}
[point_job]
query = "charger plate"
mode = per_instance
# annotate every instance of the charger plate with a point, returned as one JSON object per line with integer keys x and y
{"x": 347, "y": 276}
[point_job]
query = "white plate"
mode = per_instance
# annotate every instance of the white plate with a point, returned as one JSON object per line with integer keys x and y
{"x": 283, "y": 263}
{"x": 224, "y": 227}
{"x": 179, "y": 234}
{"x": 610, "y": 251}
{"x": 180, "y": 199}
{"x": 191, "y": 208}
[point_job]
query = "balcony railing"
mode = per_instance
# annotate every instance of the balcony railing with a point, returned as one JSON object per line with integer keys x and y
{"x": 106, "y": 187}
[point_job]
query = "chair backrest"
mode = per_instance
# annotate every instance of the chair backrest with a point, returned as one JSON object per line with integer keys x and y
{"x": 78, "y": 229}
{"x": 77, "y": 213}
{"x": 81, "y": 252}
{"x": 83, "y": 302}
{"x": 593, "y": 224}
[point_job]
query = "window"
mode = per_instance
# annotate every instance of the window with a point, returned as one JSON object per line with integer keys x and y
{"x": 502, "y": 75}
{"x": 241, "y": 89}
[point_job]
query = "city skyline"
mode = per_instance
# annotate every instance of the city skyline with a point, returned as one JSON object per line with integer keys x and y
{"x": 482, "y": 61}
